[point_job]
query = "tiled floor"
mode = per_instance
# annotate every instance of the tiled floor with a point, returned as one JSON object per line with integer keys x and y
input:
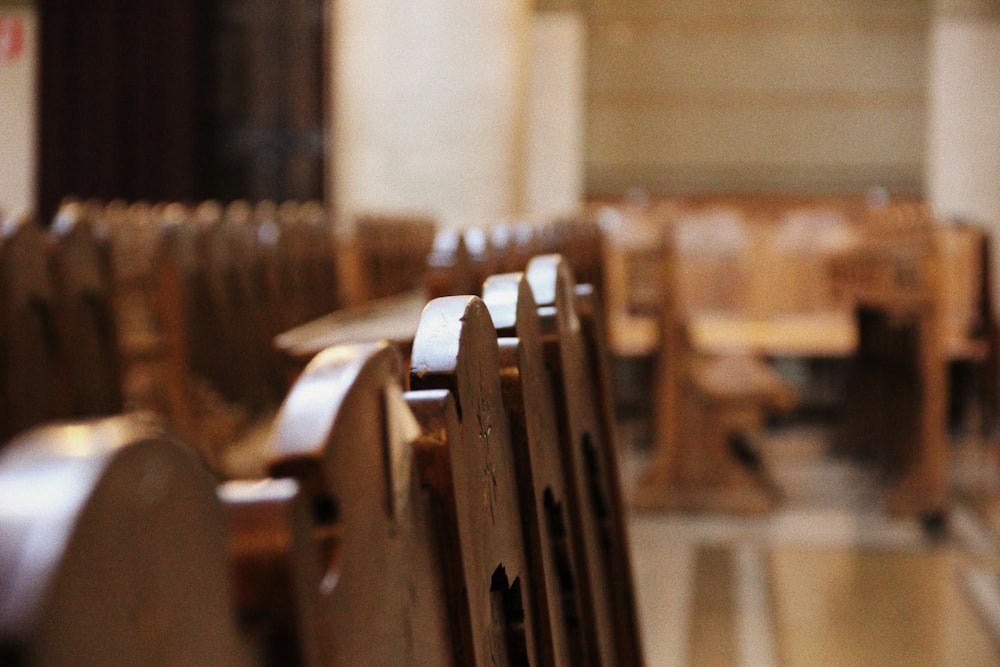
{"x": 828, "y": 579}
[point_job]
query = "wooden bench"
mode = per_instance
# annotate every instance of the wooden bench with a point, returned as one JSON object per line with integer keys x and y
{"x": 591, "y": 460}
{"x": 455, "y": 349}
{"x": 33, "y": 378}
{"x": 393, "y": 252}
{"x": 897, "y": 395}
{"x": 428, "y": 518}
{"x": 707, "y": 406}
{"x": 346, "y": 434}
{"x": 550, "y": 535}
{"x": 114, "y": 551}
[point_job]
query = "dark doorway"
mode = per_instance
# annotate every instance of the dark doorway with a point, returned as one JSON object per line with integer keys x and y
{"x": 181, "y": 100}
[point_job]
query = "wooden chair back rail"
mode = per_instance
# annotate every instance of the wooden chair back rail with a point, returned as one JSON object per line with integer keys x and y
{"x": 549, "y": 533}
{"x": 345, "y": 434}
{"x": 134, "y": 560}
{"x": 455, "y": 349}
{"x": 583, "y": 439}
{"x": 587, "y": 301}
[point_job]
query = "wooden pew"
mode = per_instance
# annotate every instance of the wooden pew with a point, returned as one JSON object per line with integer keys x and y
{"x": 33, "y": 384}
{"x": 394, "y": 319}
{"x": 345, "y": 433}
{"x": 113, "y": 551}
{"x": 468, "y": 449}
{"x": 85, "y": 315}
{"x": 393, "y": 251}
{"x": 591, "y": 454}
{"x": 387, "y": 489}
{"x": 275, "y": 570}
{"x": 549, "y": 533}
{"x": 706, "y": 406}
{"x": 894, "y": 282}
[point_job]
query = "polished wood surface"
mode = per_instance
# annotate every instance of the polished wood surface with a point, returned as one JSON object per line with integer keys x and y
{"x": 549, "y": 532}
{"x": 85, "y": 314}
{"x": 455, "y": 349}
{"x": 590, "y": 460}
{"x": 345, "y": 434}
{"x": 32, "y": 374}
{"x": 114, "y": 550}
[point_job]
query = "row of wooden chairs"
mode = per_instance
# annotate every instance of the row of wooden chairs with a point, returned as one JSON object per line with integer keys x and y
{"x": 185, "y": 301}
{"x": 390, "y": 248}
{"x": 466, "y": 512}
{"x": 916, "y": 294}
{"x": 57, "y": 340}
{"x": 166, "y": 308}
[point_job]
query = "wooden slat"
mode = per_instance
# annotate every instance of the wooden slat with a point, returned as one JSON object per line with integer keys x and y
{"x": 32, "y": 371}
{"x": 85, "y": 315}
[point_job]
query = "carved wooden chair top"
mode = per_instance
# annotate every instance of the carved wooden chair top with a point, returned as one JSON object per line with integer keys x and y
{"x": 455, "y": 349}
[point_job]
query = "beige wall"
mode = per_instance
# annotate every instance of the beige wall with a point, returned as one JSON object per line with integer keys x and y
{"x": 709, "y": 95}
{"x": 17, "y": 110}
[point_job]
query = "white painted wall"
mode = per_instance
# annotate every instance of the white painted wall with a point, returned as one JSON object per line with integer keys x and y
{"x": 963, "y": 152}
{"x": 17, "y": 108}
{"x": 774, "y": 96}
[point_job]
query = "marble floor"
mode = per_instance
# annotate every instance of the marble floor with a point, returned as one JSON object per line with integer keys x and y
{"x": 827, "y": 579}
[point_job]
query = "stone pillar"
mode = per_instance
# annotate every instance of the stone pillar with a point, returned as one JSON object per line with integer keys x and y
{"x": 555, "y": 152}
{"x": 963, "y": 158}
{"x": 429, "y": 108}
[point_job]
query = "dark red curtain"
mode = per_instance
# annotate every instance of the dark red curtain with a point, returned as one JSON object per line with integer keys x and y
{"x": 119, "y": 82}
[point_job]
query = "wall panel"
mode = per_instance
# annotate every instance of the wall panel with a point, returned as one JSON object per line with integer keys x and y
{"x": 776, "y": 95}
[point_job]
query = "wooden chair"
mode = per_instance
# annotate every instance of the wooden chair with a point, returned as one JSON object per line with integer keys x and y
{"x": 589, "y": 450}
{"x": 86, "y": 315}
{"x": 114, "y": 551}
{"x": 345, "y": 433}
{"x": 706, "y": 407}
{"x": 549, "y": 533}
{"x": 470, "y": 461}
{"x": 33, "y": 386}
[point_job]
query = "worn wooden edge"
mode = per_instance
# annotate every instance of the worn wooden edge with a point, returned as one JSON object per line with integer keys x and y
{"x": 306, "y": 428}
